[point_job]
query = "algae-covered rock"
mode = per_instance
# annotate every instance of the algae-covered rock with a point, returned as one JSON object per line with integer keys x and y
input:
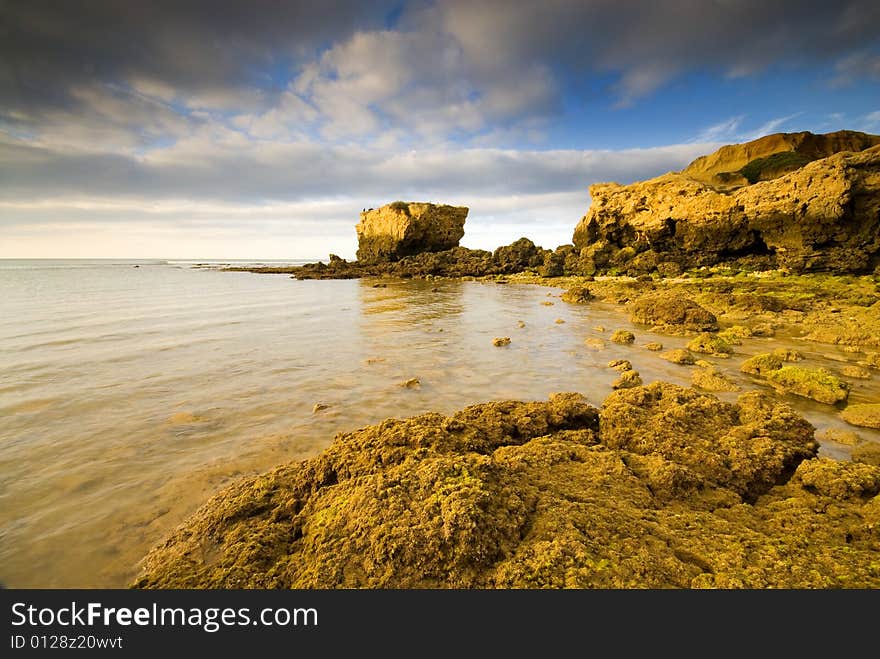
{"x": 840, "y": 436}
{"x": 678, "y": 356}
{"x": 577, "y": 295}
{"x": 867, "y": 453}
{"x": 664, "y": 487}
{"x": 761, "y": 365}
{"x": 788, "y": 354}
{"x": 624, "y": 337}
{"x": 712, "y": 379}
{"x": 654, "y": 346}
{"x": 852, "y": 371}
{"x": 620, "y": 365}
{"x": 671, "y": 310}
{"x": 710, "y": 344}
{"x": 866, "y": 415}
{"x": 818, "y": 384}
{"x": 627, "y": 380}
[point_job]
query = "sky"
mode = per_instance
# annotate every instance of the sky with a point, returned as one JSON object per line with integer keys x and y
{"x": 261, "y": 129}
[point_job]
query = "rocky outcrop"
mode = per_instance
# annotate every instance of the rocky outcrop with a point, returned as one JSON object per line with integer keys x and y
{"x": 662, "y": 487}
{"x": 672, "y": 312}
{"x": 824, "y": 216}
{"x": 404, "y": 228}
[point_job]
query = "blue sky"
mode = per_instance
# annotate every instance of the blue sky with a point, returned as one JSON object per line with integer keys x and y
{"x": 260, "y": 129}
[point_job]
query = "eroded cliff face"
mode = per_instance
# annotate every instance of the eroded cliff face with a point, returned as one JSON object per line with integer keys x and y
{"x": 402, "y": 229}
{"x": 824, "y": 216}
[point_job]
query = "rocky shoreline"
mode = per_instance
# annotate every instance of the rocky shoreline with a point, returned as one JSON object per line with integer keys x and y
{"x": 661, "y": 486}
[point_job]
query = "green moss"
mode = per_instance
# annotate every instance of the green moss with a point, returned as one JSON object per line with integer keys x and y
{"x": 788, "y": 160}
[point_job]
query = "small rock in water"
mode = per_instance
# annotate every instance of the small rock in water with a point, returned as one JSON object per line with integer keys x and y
{"x": 594, "y": 344}
{"x": 654, "y": 346}
{"x": 711, "y": 379}
{"x": 855, "y": 372}
{"x": 866, "y": 415}
{"x": 412, "y": 383}
{"x": 380, "y": 285}
{"x": 788, "y": 354}
{"x": 499, "y": 341}
{"x": 318, "y": 407}
{"x": 840, "y": 436}
{"x": 520, "y": 324}
{"x": 559, "y": 321}
{"x": 627, "y": 380}
{"x": 678, "y": 356}
{"x": 624, "y": 337}
{"x": 599, "y": 328}
{"x": 867, "y": 453}
{"x": 547, "y": 303}
{"x": 620, "y": 365}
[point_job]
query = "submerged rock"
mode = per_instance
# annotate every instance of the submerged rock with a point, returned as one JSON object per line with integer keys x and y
{"x": 500, "y": 341}
{"x": 866, "y": 415}
{"x": 403, "y": 228}
{"x": 624, "y": 337}
{"x": 867, "y": 453}
{"x": 628, "y": 379}
{"x": 664, "y": 487}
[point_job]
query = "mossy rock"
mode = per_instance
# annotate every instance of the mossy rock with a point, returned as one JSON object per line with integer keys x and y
{"x": 627, "y": 380}
{"x": 867, "y": 453}
{"x": 761, "y": 365}
{"x": 678, "y": 356}
{"x": 866, "y": 415}
{"x": 818, "y": 384}
{"x": 663, "y": 487}
{"x": 577, "y": 295}
{"x": 712, "y": 379}
{"x": 710, "y": 344}
{"x": 674, "y": 310}
{"x": 624, "y": 337}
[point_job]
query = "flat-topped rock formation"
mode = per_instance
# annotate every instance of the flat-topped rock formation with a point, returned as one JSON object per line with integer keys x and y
{"x": 402, "y": 229}
{"x": 822, "y": 216}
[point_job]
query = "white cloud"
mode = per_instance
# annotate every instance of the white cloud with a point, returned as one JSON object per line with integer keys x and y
{"x": 723, "y": 130}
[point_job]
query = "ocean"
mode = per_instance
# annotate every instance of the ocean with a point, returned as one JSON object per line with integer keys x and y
{"x": 131, "y": 391}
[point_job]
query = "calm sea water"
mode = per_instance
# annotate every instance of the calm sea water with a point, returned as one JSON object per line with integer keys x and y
{"x": 129, "y": 395}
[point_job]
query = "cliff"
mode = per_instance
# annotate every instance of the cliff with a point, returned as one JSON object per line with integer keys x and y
{"x": 823, "y": 216}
